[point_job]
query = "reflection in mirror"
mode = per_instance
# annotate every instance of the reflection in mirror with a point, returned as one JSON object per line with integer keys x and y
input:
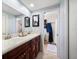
{"x": 8, "y": 25}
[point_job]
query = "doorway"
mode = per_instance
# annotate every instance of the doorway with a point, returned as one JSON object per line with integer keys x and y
{"x": 51, "y": 48}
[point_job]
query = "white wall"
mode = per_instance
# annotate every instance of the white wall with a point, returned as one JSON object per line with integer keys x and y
{"x": 8, "y": 23}
{"x": 72, "y": 29}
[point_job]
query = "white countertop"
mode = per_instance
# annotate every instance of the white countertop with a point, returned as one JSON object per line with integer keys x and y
{"x": 12, "y": 43}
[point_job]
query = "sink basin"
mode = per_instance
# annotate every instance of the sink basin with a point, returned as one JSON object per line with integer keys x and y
{"x": 6, "y": 37}
{"x": 22, "y": 34}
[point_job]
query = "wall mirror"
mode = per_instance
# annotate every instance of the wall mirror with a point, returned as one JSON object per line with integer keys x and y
{"x": 35, "y": 20}
{"x": 27, "y": 21}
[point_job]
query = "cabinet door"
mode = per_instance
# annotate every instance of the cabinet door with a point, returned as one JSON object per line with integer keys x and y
{"x": 27, "y": 56}
{"x": 38, "y": 43}
{"x": 22, "y": 56}
{"x": 33, "y": 49}
{"x": 36, "y": 49}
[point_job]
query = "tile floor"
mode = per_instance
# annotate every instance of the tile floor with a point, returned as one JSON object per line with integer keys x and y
{"x": 50, "y": 52}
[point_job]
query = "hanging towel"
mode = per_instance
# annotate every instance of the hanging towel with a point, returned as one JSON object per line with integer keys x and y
{"x": 49, "y": 27}
{"x": 49, "y": 30}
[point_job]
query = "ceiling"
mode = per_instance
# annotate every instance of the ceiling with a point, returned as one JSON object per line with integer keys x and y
{"x": 39, "y": 4}
{"x": 10, "y": 10}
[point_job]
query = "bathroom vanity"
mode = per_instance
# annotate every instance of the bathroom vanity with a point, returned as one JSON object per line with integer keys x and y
{"x": 26, "y": 47}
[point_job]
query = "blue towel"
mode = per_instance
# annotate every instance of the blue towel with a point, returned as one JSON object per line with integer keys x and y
{"x": 49, "y": 27}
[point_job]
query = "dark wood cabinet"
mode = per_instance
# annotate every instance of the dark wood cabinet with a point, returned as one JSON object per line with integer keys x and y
{"x": 28, "y": 50}
{"x": 23, "y": 56}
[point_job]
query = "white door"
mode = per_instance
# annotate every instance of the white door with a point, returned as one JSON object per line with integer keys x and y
{"x": 62, "y": 41}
